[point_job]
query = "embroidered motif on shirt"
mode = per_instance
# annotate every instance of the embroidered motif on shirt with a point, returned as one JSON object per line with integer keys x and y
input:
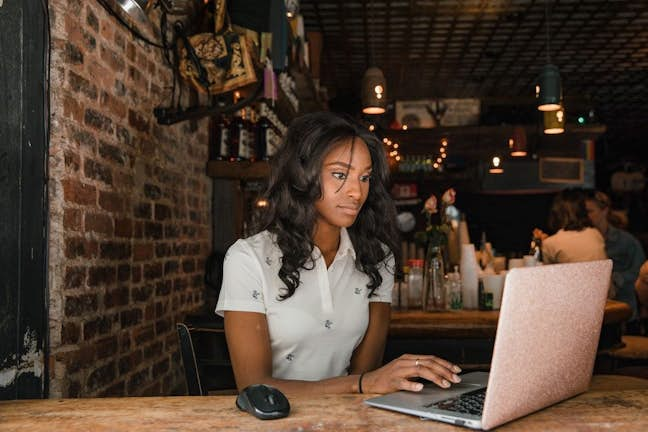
{"x": 290, "y": 357}
{"x": 268, "y": 261}
{"x": 328, "y": 324}
{"x": 256, "y": 295}
{"x": 357, "y": 291}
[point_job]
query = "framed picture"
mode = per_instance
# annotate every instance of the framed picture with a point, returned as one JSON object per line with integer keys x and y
{"x": 562, "y": 170}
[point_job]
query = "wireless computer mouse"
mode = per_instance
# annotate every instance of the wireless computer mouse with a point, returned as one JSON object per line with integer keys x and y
{"x": 263, "y": 401}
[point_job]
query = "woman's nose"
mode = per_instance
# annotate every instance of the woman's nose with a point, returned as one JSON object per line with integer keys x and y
{"x": 354, "y": 188}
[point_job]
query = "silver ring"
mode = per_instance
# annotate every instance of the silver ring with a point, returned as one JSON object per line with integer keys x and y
{"x": 417, "y": 363}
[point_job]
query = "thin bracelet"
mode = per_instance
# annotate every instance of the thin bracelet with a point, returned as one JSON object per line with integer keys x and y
{"x": 360, "y": 383}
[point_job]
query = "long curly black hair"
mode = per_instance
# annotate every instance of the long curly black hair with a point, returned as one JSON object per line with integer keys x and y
{"x": 295, "y": 186}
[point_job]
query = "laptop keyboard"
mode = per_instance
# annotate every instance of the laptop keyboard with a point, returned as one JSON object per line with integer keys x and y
{"x": 467, "y": 403}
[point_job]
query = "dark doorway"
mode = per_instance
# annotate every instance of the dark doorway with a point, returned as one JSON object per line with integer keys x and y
{"x": 24, "y": 50}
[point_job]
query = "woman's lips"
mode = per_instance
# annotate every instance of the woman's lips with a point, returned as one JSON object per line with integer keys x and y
{"x": 350, "y": 210}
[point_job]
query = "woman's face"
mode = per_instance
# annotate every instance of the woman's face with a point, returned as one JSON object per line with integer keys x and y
{"x": 597, "y": 215}
{"x": 345, "y": 183}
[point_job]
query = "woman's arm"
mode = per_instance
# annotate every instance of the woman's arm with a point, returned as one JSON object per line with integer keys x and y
{"x": 248, "y": 341}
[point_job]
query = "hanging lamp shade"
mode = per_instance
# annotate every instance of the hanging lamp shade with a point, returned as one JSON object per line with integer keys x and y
{"x": 496, "y": 166}
{"x": 549, "y": 88}
{"x": 517, "y": 142}
{"x": 374, "y": 91}
{"x": 554, "y": 122}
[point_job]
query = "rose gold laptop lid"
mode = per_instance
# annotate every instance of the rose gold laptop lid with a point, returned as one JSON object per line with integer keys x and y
{"x": 548, "y": 331}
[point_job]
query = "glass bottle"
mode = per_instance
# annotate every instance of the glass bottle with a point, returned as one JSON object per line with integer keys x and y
{"x": 454, "y": 290}
{"x": 237, "y": 138}
{"x": 435, "y": 286}
{"x": 263, "y": 135}
{"x": 415, "y": 283}
{"x": 219, "y": 149}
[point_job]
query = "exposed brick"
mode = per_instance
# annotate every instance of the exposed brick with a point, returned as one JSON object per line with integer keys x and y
{"x": 97, "y": 171}
{"x": 80, "y": 305}
{"x": 142, "y": 210}
{"x": 70, "y": 333}
{"x": 107, "y": 347}
{"x": 131, "y": 51}
{"x": 142, "y": 293}
{"x": 74, "y": 277}
{"x": 116, "y": 390}
{"x": 171, "y": 267}
{"x": 79, "y": 193}
{"x": 180, "y": 284}
{"x": 91, "y": 19}
{"x": 124, "y": 342}
{"x": 136, "y": 270}
{"x": 142, "y": 251}
{"x": 144, "y": 334}
{"x": 149, "y": 312}
{"x": 171, "y": 231}
{"x": 112, "y": 59}
{"x": 100, "y": 223}
{"x": 112, "y": 153}
{"x": 72, "y": 219}
{"x": 138, "y": 121}
{"x": 189, "y": 265}
{"x": 120, "y": 42}
{"x": 152, "y": 191}
{"x": 162, "y": 326}
{"x": 113, "y": 104}
{"x": 83, "y": 139}
{"x": 161, "y": 307}
{"x": 89, "y": 41}
{"x": 162, "y": 212}
{"x": 130, "y": 362}
{"x": 122, "y": 134}
{"x": 136, "y": 381}
{"x": 101, "y": 376}
{"x": 72, "y": 54}
{"x": 114, "y": 250}
{"x": 78, "y": 359}
{"x": 72, "y": 161}
{"x": 163, "y": 287}
{"x": 76, "y": 247}
{"x": 123, "y": 227}
{"x": 131, "y": 317}
{"x": 162, "y": 250}
{"x": 111, "y": 201}
{"x": 101, "y": 275}
{"x": 161, "y": 367}
{"x": 79, "y": 84}
{"x": 98, "y": 121}
{"x": 153, "y": 350}
{"x": 123, "y": 272}
{"x": 153, "y": 230}
{"x": 97, "y": 326}
{"x": 74, "y": 389}
{"x": 116, "y": 297}
{"x": 152, "y": 271}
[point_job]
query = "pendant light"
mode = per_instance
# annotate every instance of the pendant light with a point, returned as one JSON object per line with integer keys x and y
{"x": 554, "y": 122}
{"x": 374, "y": 85}
{"x": 549, "y": 87}
{"x": 496, "y": 166}
{"x": 517, "y": 142}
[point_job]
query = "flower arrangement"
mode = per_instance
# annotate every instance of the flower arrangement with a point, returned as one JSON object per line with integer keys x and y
{"x": 437, "y": 227}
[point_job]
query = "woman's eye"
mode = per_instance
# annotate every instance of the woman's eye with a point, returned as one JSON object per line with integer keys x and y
{"x": 365, "y": 178}
{"x": 339, "y": 175}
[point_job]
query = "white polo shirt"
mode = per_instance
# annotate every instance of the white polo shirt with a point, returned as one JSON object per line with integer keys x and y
{"x": 312, "y": 333}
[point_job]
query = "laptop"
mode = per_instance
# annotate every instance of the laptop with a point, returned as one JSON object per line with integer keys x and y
{"x": 545, "y": 346}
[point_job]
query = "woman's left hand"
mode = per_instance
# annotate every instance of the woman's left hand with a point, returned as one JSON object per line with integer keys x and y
{"x": 396, "y": 374}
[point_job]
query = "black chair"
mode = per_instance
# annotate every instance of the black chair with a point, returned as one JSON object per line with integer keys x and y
{"x": 194, "y": 384}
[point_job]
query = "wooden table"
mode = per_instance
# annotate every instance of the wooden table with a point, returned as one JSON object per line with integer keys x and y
{"x": 613, "y": 403}
{"x": 467, "y": 336}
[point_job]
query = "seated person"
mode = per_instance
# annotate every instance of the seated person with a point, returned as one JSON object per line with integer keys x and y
{"x": 306, "y": 301}
{"x": 575, "y": 240}
{"x": 622, "y": 248}
{"x": 641, "y": 288}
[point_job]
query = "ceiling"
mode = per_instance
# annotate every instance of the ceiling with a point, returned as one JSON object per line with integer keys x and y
{"x": 492, "y": 50}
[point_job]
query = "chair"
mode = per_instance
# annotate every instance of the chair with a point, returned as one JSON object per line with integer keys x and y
{"x": 194, "y": 384}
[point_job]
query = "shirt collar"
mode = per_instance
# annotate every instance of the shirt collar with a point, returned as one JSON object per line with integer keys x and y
{"x": 346, "y": 247}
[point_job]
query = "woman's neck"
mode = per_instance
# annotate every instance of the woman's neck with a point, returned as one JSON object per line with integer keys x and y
{"x": 327, "y": 239}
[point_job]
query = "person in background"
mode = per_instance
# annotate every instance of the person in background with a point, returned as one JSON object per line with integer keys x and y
{"x": 622, "y": 248}
{"x": 641, "y": 288}
{"x": 306, "y": 301}
{"x": 575, "y": 240}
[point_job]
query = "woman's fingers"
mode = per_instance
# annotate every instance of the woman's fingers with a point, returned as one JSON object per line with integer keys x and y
{"x": 408, "y": 385}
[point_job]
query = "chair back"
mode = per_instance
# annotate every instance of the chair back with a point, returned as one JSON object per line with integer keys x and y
{"x": 194, "y": 385}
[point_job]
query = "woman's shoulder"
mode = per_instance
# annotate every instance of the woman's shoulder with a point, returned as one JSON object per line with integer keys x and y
{"x": 259, "y": 244}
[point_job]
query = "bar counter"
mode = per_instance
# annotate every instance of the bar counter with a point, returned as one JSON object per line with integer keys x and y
{"x": 613, "y": 403}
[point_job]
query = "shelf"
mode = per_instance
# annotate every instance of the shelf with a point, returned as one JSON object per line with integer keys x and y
{"x": 238, "y": 170}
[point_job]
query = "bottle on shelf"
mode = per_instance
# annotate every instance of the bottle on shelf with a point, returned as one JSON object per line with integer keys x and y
{"x": 415, "y": 283}
{"x": 237, "y": 138}
{"x": 454, "y": 290}
{"x": 219, "y": 137}
{"x": 264, "y": 132}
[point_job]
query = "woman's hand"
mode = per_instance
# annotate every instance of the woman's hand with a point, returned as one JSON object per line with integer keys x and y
{"x": 395, "y": 374}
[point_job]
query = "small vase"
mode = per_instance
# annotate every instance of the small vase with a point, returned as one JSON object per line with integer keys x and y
{"x": 435, "y": 299}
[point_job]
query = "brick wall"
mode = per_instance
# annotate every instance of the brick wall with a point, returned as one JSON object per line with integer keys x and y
{"x": 129, "y": 211}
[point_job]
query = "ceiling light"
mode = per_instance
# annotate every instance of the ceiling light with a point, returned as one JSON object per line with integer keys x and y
{"x": 549, "y": 88}
{"x": 554, "y": 122}
{"x": 517, "y": 143}
{"x": 373, "y": 91}
{"x": 496, "y": 166}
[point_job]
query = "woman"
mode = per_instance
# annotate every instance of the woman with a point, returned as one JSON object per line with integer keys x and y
{"x": 622, "y": 248}
{"x": 574, "y": 240}
{"x": 306, "y": 300}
